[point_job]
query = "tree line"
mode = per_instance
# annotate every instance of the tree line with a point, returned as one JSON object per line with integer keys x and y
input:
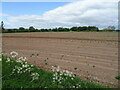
{"x": 60, "y": 29}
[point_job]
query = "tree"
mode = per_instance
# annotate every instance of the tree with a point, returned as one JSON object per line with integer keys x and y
{"x": 84, "y": 28}
{"x": 106, "y": 30}
{"x": 54, "y": 29}
{"x": 93, "y": 28}
{"x": 31, "y": 28}
{"x": 60, "y": 29}
{"x": 22, "y": 28}
{"x": 74, "y": 28}
{"x": 66, "y": 29}
{"x": 2, "y": 25}
{"x": 111, "y": 27}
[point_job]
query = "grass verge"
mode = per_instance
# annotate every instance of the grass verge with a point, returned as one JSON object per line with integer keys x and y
{"x": 24, "y": 75}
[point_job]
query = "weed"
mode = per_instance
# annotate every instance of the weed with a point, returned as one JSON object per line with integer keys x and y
{"x": 75, "y": 68}
{"x": 118, "y": 77}
{"x": 37, "y": 54}
{"x": 46, "y": 63}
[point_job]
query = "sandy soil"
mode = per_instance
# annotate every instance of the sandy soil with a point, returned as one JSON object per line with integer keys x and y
{"x": 94, "y": 54}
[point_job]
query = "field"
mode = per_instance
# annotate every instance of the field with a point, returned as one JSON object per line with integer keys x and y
{"x": 92, "y": 56}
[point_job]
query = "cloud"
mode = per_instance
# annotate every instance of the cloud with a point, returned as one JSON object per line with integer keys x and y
{"x": 100, "y": 13}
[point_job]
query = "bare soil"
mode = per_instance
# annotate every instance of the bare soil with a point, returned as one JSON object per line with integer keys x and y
{"x": 91, "y": 55}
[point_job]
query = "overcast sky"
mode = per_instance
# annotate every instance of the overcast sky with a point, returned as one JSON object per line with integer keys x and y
{"x": 100, "y": 13}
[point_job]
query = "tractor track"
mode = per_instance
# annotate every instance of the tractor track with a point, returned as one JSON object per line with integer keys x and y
{"x": 67, "y": 38}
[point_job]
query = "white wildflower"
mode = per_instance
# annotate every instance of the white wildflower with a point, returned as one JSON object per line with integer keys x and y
{"x": 8, "y": 60}
{"x": 58, "y": 69}
{"x": 53, "y": 78}
{"x": 24, "y": 66}
{"x": 19, "y": 61}
{"x": 53, "y": 68}
{"x": 14, "y": 54}
{"x": 73, "y": 86}
{"x": 35, "y": 76}
{"x": 31, "y": 65}
{"x": 69, "y": 75}
{"x": 64, "y": 71}
{"x": 72, "y": 78}
{"x": 79, "y": 85}
{"x": 60, "y": 76}
{"x": 22, "y": 59}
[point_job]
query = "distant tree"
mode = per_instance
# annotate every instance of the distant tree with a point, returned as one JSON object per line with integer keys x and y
{"x": 73, "y": 29}
{"x": 15, "y": 30}
{"x": 54, "y": 29}
{"x": 42, "y": 30}
{"x": 66, "y": 29}
{"x": 111, "y": 27}
{"x": 2, "y": 26}
{"x": 22, "y": 28}
{"x": 49, "y": 30}
{"x": 31, "y": 28}
{"x": 107, "y": 30}
{"x": 84, "y": 28}
{"x": 93, "y": 28}
{"x": 36, "y": 30}
{"x": 9, "y": 30}
{"x": 60, "y": 29}
{"x": 45, "y": 30}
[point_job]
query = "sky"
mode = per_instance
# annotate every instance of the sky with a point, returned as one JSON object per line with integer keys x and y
{"x": 29, "y": 8}
{"x": 100, "y": 13}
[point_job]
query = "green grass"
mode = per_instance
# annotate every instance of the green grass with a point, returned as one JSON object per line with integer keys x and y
{"x": 44, "y": 80}
{"x": 0, "y": 74}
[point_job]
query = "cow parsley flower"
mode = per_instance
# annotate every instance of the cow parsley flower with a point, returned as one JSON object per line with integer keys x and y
{"x": 21, "y": 59}
{"x": 13, "y": 54}
{"x": 0, "y": 59}
{"x": 60, "y": 76}
{"x": 8, "y": 60}
{"x": 35, "y": 76}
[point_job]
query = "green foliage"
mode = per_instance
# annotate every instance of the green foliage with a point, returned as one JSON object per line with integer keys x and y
{"x": 107, "y": 30}
{"x": 111, "y": 27}
{"x": 60, "y": 29}
{"x": 118, "y": 77}
{"x": 21, "y": 28}
{"x": 31, "y": 29}
{"x": 44, "y": 78}
{"x": 0, "y": 74}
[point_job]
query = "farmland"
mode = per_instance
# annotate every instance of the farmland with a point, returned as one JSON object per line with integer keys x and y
{"x": 92, "y": 56}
